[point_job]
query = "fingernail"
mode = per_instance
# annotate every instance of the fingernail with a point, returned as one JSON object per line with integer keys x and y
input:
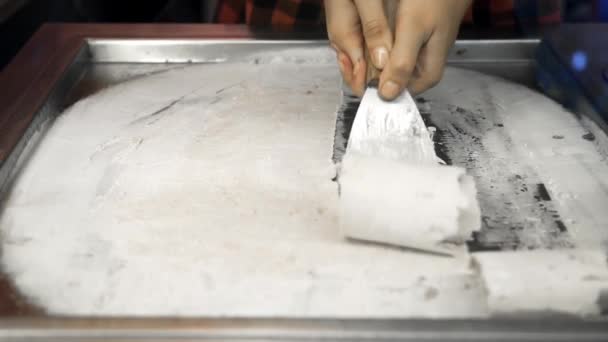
{"x": 380, "y": 57}
{"x": 390, "y": 89}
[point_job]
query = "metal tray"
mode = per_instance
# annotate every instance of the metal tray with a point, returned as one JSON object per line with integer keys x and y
{"x": 64, "y": 63}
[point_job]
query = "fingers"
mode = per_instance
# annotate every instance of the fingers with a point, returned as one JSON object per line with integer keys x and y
{"x": 410, "y": 36}
{"x": 377, "y": 33}
{"x": 434, "y": 53}
{"x": 344, "y": 30}
{"x": 431, "y": 63}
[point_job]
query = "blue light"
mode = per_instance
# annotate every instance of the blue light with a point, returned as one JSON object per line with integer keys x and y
{"x": 603, "y": 10}
{"x": 579, "y": 60}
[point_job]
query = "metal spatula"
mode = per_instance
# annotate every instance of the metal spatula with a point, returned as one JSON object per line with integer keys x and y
{"x": 382, "y": 167}
{"x": 389, "y": 129}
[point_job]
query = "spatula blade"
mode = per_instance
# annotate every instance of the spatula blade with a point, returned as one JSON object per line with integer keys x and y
{"x": 391, "y": 129}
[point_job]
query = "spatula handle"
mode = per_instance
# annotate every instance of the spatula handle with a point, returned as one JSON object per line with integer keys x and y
{"x": 390, "y": 10}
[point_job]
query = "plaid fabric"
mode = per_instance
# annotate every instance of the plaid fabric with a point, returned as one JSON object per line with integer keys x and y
{"x": 482, "y": 14}
{"x": 513, "y": 13}
{"x": 280, "y": 14}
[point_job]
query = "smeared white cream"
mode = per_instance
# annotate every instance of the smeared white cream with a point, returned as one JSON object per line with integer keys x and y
{"x": 568, "y": 281}
{"x": 222, "y": 204}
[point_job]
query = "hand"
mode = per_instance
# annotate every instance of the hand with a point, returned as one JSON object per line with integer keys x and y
{"x": 414, "y": 59}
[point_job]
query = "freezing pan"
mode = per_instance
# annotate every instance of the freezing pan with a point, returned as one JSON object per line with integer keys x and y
{"x": 64, "y": 63}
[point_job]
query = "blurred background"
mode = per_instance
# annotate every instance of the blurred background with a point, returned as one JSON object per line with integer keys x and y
{"x": 19, "y": 19}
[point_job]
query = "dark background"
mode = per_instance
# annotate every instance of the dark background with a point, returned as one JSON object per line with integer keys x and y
{"x": 19, "y": 19}
{"x": 19, "y": 25}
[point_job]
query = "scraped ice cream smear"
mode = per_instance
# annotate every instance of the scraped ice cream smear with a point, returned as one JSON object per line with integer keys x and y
{"x": 207, "y": 191}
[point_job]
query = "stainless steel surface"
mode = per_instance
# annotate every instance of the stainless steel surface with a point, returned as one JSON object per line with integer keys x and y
{"x": 511, "y": 59}
{"x": 184, "y": 51}
{"x": 106, "y": 62}
{"x": 42, "y": 121}
{"x": 302, "y": 330}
